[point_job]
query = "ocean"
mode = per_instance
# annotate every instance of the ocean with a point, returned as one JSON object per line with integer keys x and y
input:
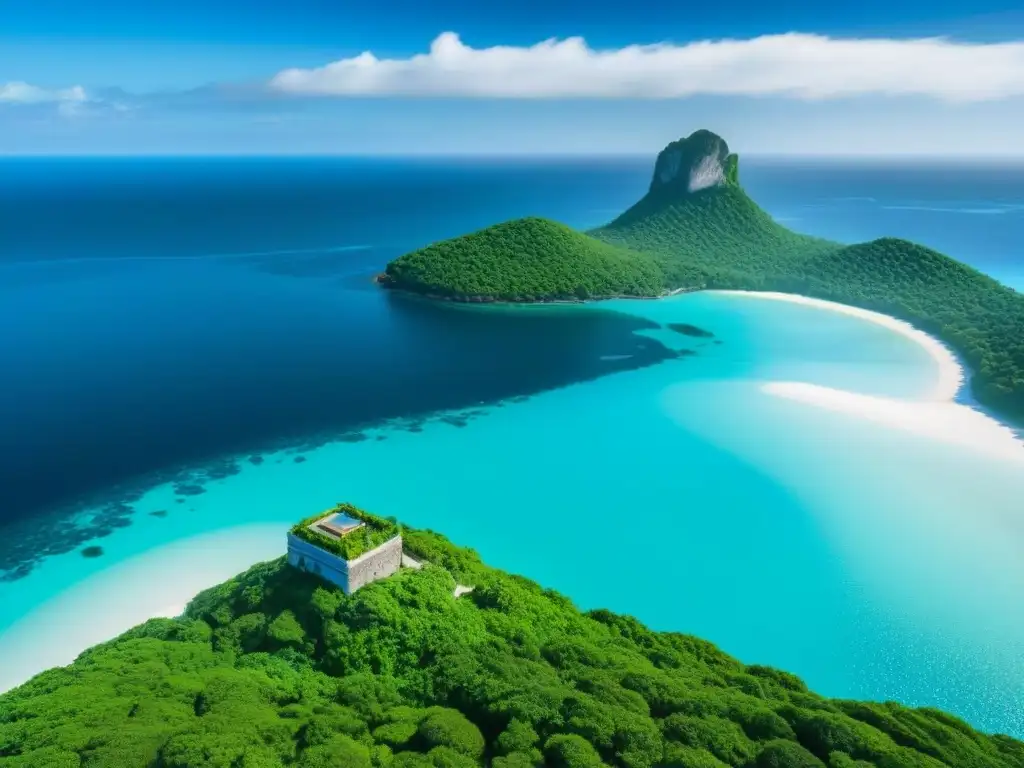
{"x": 194, "y": 349}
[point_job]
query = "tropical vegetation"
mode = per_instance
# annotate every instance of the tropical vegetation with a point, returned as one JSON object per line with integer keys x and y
{"x": 276, "y": 668}
{"x": 526, "y": 260}
{"x": 676, "y": 238}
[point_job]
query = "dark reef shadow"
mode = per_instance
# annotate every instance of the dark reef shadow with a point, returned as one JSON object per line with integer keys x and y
{"x": 427, "y": 361}
{"x": 690, "y": 330}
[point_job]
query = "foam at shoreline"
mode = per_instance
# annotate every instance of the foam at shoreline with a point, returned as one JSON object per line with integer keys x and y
{"x": 935, "y": 414}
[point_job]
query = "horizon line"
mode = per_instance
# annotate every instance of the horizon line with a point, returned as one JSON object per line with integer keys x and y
{"x": 527, "y": 155}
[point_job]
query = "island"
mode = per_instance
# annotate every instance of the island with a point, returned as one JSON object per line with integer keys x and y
{"x": 696, "y": 229}
{"x": 280, "y": 666}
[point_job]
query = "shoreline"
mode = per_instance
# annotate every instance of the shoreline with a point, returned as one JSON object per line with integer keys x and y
{"x": 952, "y": 375}
{"x": 158, "y": 583}
{"x": 393, "y": 287}
{"x": 951, "y": 387}
{"x": 937, "y": 415}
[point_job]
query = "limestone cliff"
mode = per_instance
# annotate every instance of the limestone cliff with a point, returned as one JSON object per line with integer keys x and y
{"x": 699, "y": 161}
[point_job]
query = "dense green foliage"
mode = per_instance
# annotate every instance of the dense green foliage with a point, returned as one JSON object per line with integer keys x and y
{"x": 375, "y": 532}
{"x": 712, "y": 237}
{"x": 275, "y": 668}
{"x": 526, "y": 259}
{"x": 719, "y": 238}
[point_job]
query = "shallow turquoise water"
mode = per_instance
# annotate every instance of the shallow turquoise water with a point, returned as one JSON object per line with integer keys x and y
{"x": 867, "y": 560}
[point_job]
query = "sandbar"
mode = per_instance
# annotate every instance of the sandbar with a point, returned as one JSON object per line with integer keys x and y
{"x": 935, "y": 414}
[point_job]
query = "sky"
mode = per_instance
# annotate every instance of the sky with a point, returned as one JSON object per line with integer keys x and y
{"x": 407, "y": 77}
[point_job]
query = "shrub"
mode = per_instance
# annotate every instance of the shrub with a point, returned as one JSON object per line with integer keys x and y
{"x": 446, "y": 757}
{"x": 395, "y": 735}
{"x": 410, "y": 760}
{"x": 519, "y": 736}
{"x": 786, "y": 754}
{"x": 286, "y": 630}
{"x": 786, "y": 680}
{"x": 722, "y": 738}
{"x": 681, "y": 756}
{"x": 760, "y": 723}
{"x": 568, "y": 750}
{"x": 340, "y": 750}
{"x": 450, "y": 728}
{"x": 843, "y": 760}
{"x": 826, "y": 732}
{"x": 518, "y": 760}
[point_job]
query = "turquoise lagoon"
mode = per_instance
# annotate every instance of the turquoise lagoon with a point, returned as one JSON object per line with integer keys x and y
{"x": 870, "y": 561}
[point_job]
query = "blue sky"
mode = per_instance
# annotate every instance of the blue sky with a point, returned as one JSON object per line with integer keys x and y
{"x": 944, "y": 77}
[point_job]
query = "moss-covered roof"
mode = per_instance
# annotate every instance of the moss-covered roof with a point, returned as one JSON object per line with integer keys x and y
{"x": 373, "y": 532}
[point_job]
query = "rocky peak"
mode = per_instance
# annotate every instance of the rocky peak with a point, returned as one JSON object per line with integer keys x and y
{"x": 699, "y": 161}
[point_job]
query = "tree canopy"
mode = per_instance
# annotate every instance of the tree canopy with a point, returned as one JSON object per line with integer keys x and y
{"x": 275, "y": 668}
{"x": 526, "y": 260}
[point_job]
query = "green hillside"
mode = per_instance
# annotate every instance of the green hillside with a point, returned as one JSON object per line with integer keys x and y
{"x": 274, "y": 668}
{"x": 711, "y": 238}
{"x": 526, "y": 259}
{"x": 699, "y": 229}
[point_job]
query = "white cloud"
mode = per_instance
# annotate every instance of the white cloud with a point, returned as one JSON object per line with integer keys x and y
{"x": 23, "y": 93}
{"x": 792, "y": 65}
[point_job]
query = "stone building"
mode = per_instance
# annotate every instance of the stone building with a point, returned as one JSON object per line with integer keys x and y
{"x": 309, "y": 546}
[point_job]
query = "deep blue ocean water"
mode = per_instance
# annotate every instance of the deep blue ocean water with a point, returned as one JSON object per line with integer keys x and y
{"x": 188, "y": 343}
{"x": 151, "y": 307}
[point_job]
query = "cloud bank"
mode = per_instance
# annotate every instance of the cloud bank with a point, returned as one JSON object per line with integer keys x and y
{"x": 23, "y": 93}
{"x": 25, "y": 99}
{"x": 794, "y": 65}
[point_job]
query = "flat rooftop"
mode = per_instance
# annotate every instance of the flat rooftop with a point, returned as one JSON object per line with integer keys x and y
{"x": 336, "y": 525}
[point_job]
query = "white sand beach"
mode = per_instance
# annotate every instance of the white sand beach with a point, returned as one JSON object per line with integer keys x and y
{"x": 935, "y": 414}
{"x": 129, "y": 593}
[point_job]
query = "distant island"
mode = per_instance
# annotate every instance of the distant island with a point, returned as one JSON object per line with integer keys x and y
{"x": 697, "y": 229}
{"x": 280, "y": 667}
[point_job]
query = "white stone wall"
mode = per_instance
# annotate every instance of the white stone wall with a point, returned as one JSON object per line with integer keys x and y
{"x": 376, "y": 564}
{"x": 306, "y": 557}
{"x": 349, "y": 575}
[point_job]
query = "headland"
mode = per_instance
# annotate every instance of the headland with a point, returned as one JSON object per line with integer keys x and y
{"x": 697, "y": 229}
